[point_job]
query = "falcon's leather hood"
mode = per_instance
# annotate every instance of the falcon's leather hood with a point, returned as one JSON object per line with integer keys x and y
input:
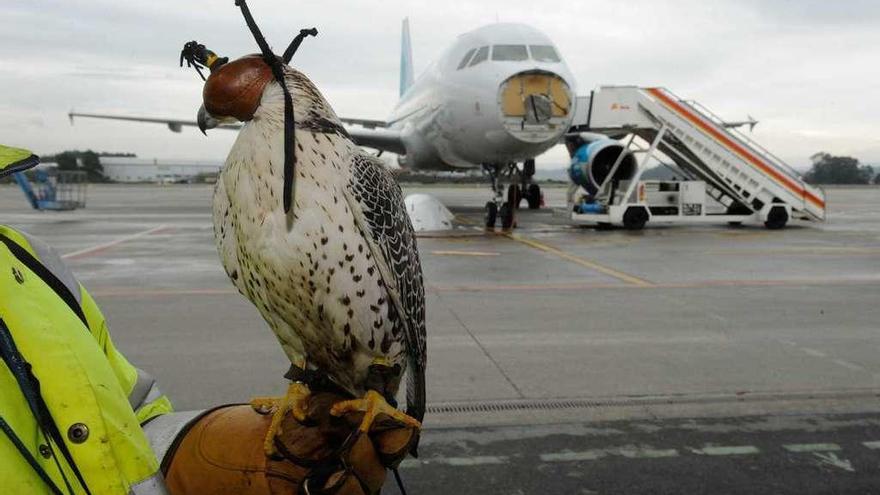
{"x": 235, "y": 88}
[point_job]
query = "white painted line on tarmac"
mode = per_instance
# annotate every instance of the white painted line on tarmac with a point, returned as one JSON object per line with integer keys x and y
{"x": 647, "y": 453}
{"x": 483, "y": 460}
{"x": 100, "y": 247}
{"x": 824, "y": 452}
{"x": 811, "y": 447}
{"x": 468, "y": 461}
{"x": 848, "y": 365}
{"x": 586, "y": 455}
{"x": 813, "y": 352}
{"x": 595, "y": 454}
{"x": 727, "y": 450}
{"x": 465, "y": 253}
{"x": 831, "y": 459}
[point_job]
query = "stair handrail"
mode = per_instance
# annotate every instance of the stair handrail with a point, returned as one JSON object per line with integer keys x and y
{"x": 739, "y": 136}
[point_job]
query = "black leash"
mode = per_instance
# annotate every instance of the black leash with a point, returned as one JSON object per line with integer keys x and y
{"x": 294, "y": 45}
{"x": 10, "y": 433}
{"x": 399, "y": 481}
{"x": 30, "y": 388}
{"x": 277, "y": 66}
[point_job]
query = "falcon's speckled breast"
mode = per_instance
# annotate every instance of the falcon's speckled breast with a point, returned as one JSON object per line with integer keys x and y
{"x": 338, "y": 279}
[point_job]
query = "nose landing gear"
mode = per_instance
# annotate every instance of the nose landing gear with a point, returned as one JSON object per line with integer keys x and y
{"x": 498, "y": 205}
{"x": 506, "y": 207}
{"x": 491, "y": 214}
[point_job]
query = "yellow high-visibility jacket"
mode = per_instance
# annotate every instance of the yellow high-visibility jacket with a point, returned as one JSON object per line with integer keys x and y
{"x": 95, "y": 397}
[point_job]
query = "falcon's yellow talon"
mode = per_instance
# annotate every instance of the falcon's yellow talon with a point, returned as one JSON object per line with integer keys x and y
{"x": 372, "y": 404}
{"x": 296, "y": 401}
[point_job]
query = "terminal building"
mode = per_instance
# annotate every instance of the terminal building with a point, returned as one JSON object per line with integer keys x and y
{"x": 131, "y": 169}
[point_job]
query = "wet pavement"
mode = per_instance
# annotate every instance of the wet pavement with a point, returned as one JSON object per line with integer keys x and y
{"x": 540, "y": 336}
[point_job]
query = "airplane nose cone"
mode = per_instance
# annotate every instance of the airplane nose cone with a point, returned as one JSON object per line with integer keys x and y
{"x": 535, "y": 106}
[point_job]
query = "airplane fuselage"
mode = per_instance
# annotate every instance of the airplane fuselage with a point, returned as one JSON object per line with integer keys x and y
{"x": 499, "y": 94}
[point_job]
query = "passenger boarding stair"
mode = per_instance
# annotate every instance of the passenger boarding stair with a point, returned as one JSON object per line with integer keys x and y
{"x": 739, "y": 173}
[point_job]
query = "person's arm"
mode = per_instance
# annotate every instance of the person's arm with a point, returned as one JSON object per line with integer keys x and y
{"x": 143, "y": 392}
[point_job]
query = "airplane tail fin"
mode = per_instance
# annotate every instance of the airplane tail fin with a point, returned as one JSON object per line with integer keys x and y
{"x": 406, "y": 66}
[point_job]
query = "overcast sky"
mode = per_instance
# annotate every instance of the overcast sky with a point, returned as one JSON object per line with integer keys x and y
{"x": 809, "y": 70}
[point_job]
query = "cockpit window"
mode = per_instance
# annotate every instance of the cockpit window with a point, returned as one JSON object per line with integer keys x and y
{"x": 466, "y": 59}
{"x": 544, "y": 53}
{"x": 512, "y": 53}
{"x": 481, "y": 56}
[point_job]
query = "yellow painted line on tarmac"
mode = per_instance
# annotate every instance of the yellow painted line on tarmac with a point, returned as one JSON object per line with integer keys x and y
{"x": 528, "y": 287}
{"x": 738, "y": 233}
{"x": 696, "y": 284}
{"x": 611, "y": 272}
{"x": 802, "y": 251}
{"x": 464, "y": 253}
{"x": 464, "y": 221}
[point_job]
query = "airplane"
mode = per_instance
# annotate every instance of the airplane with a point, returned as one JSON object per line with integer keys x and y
{"x": 751, "y": 122}
{"x": 499, "y": 96}
{"x": 730, "y": 124}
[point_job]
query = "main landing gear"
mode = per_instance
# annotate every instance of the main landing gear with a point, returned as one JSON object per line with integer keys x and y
{"x": 505, "y": 206}
{"x": 528, "y": 189}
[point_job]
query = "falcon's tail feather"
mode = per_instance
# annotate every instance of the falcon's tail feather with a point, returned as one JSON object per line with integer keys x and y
{"x": 415, "y": 397}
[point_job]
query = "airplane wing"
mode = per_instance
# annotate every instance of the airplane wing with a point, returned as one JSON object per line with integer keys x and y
{"x": 372, "y": 134}
{"x": 368, "y": 123}
{"x": 380, "y": 139}
{"x": 175, "y": 125}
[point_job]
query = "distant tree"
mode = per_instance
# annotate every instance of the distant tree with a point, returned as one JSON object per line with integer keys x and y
{"x": 87, "y": 161}
{"x": 829, "y": 169}
{"x": 66, "y": 160}
{"x": 91, "y": 165}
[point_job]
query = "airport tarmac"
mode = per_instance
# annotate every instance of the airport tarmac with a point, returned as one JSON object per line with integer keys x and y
{"x": 561, "y": 359}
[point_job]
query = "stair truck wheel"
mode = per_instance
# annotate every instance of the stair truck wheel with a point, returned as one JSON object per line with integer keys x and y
{"x": 491, "y": 214}
{"x": 635, "y": 218}
{"x": 533, "y": 196}
{"x": 777, "y": 217}
{"x": 506, "y": 213}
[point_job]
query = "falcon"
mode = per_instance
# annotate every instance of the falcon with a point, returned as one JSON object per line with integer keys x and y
{"x": 337, "y": 277}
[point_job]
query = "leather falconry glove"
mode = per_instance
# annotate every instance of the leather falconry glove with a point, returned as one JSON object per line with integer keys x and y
{"x": 222, "y": 453}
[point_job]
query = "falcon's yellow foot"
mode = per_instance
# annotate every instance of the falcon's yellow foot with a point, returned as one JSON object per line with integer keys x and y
{"x": 372, "y": 404}
{"x": 296, "y": 401}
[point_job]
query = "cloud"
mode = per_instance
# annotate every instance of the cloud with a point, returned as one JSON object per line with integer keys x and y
{"x": 806, "y": 69}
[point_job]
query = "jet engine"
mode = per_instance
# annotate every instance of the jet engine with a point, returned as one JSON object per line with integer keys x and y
{"x": 592, "y": 162}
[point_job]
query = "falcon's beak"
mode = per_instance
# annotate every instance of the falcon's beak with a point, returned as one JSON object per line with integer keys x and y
{"x": 206, "y": 120}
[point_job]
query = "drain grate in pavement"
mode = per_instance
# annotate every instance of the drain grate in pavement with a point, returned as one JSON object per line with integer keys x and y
{"x": 526, "y": 405}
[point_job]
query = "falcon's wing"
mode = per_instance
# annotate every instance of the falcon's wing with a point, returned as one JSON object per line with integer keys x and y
{"x": 377, "y": 203}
